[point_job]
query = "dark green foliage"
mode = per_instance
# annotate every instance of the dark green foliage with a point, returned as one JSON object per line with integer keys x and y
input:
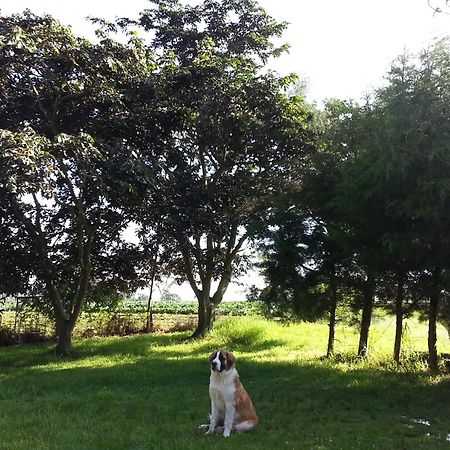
{"x": 376, "y": 198}
{"x": 64, "y": 106}
{"x": 229, "y": 153}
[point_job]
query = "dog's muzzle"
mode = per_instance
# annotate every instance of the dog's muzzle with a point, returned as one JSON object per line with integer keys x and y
{"x": 217, "y": 367}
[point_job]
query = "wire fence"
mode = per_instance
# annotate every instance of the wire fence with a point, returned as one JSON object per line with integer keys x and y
{"x": 17, "y": 327}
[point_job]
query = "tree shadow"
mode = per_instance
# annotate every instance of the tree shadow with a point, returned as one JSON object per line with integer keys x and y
{"x": 304, "y": 404}
{"x": 42, "y": 354}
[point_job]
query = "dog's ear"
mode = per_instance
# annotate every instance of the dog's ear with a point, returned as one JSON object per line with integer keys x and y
{"x": 212, "y": 356}
{"x": 231, "y": 359}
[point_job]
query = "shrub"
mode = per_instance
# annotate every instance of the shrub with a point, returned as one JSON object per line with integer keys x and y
{"x": 7, "y": 337}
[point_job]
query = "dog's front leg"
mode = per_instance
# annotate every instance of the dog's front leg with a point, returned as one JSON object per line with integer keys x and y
{"x": 214, "y": 418}
{"x": 229, "y": 418}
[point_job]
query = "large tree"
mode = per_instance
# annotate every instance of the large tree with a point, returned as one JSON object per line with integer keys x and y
{"x": 67, "y": 125}
{"x": 228, "y": 155}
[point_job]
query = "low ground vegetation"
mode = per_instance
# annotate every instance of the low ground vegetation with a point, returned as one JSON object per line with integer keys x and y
{"x": 151, "y": 391}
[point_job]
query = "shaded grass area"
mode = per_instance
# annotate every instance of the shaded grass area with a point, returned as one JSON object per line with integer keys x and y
{"x": 151, "y": 392}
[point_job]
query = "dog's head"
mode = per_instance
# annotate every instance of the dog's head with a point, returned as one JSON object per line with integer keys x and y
{"x": 221, "y": 360}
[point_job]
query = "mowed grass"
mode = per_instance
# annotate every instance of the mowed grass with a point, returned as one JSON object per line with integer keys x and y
{"x": 151, "y": 392}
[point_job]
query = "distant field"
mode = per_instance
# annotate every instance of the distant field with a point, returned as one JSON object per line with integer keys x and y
{"x": 129, "y": 318}
{"x": 151, "y": 391}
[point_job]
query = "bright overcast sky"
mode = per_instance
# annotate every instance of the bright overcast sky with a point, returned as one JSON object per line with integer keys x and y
{"x": 342, "y": 47}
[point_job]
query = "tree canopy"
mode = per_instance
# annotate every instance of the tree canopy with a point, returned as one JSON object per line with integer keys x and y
{"x": 230, "y": 151}
{"x": 65, "y": 130}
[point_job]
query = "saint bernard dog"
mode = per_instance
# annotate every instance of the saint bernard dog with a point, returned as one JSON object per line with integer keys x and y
{"x": 231, "y": 407}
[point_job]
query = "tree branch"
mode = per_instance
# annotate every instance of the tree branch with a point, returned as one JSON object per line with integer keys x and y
{"x": 80, "y": 218}
{"x": 38, "y": 207}
{"x": 39, "y": 243}
{"x": 239, "y": 245}
{"x": 189, "y": 269}
{"x": 50, "y": 118}
{"x": 85, "y": 277}
{"x": 232, "y": 251}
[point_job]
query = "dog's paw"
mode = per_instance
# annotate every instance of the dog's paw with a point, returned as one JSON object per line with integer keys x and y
{"x": 210, "y": 431}
{"x": 226, "y": 433}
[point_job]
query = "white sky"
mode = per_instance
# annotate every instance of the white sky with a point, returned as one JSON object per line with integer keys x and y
{"x": 342, "y": 47}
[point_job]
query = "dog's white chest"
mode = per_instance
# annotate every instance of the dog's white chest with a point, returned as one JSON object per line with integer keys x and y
{"x": 222, "y": 390}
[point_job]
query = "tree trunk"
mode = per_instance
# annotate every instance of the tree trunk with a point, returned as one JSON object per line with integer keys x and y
{"x": 399, "y": 316}
{"x": 149, "y": 321}
{"x": 17, "y": 321}
{"x": 206, "y": 316}
{"x": 202, "y": 314}
{"x": 64, "y": 333}
{"x": 149, "y": 318}
{"x": 207, "y": 305}
{"x": 369, "y": 291}
{"x": 332, "y": 323}
{"x": 210, "y": 316}
{"x": 432, "y": 320}
{"x": 65, "y": 326}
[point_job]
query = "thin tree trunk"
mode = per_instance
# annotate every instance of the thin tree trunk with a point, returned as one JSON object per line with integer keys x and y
{"x": 432, "y": 321}
{"x": 149, "y": 318}
{"x": 369, "y": 291}
{"x": 17, "y": 321}
{"x": 399, "y": 316}
{"x": 149, "y": 321}
{"x": 332, "y": 323}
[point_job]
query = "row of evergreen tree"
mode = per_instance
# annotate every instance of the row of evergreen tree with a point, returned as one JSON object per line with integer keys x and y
{"x": 370, "y": 221}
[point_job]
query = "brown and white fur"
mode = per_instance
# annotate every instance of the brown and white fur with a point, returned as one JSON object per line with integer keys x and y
{"x": 231, "y": 407}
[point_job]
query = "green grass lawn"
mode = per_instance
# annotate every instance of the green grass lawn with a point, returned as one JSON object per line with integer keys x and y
{"x": 151, "y": 392}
